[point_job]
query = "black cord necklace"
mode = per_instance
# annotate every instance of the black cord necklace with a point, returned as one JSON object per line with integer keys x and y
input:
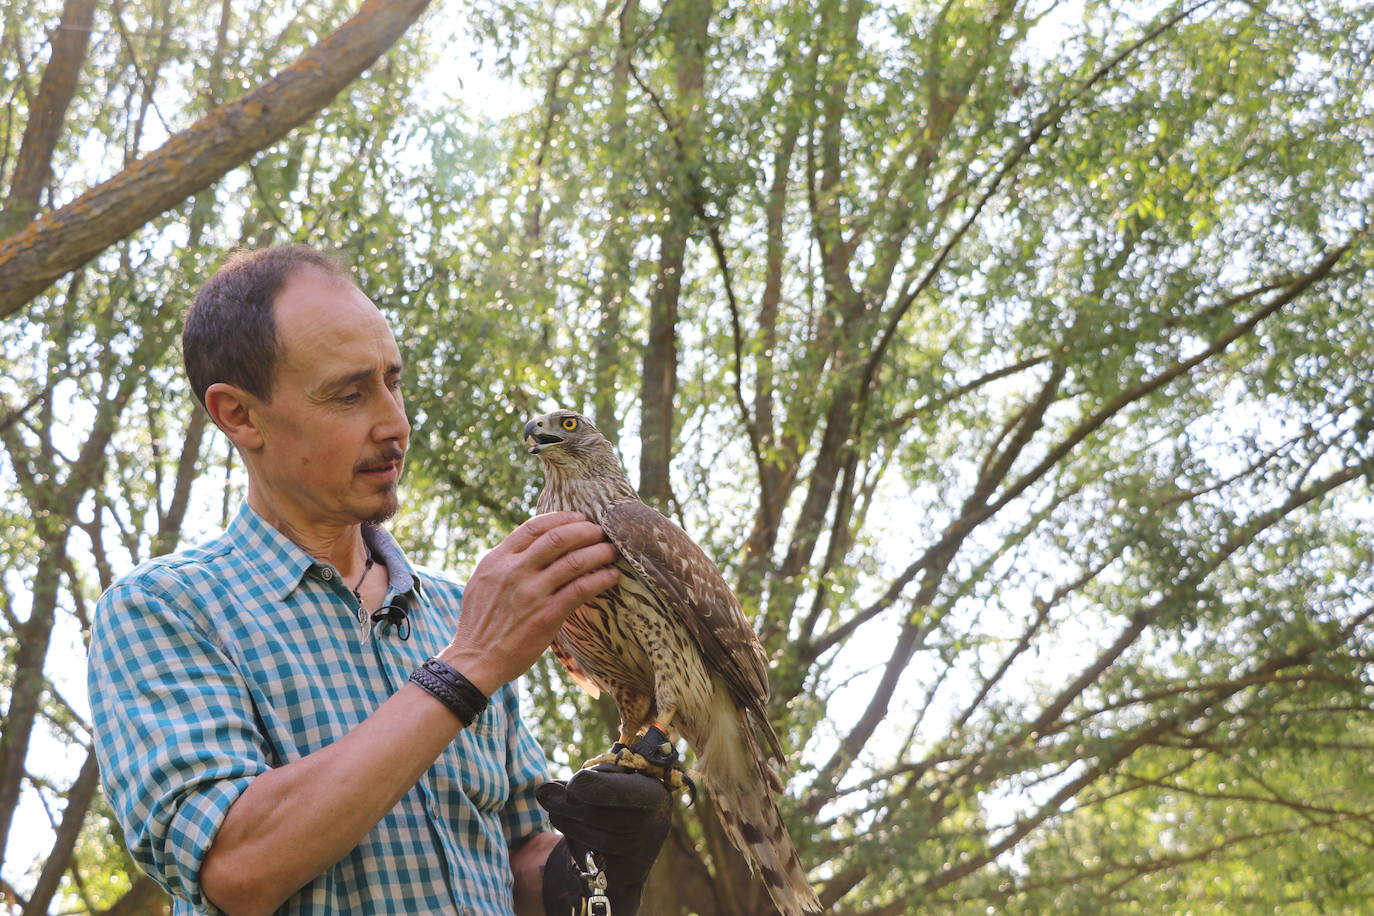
{"x": 367, "y": 568}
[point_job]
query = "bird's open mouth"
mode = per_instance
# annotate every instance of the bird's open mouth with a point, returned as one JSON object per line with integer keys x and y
{"x": 540, "y": 440}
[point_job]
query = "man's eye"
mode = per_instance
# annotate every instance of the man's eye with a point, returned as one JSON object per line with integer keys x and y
{"x": 394, "y": 383}
{"x": 353, "y": 398}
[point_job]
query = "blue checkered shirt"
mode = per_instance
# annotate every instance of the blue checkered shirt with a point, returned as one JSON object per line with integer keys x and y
{"x": 214, "y": 664}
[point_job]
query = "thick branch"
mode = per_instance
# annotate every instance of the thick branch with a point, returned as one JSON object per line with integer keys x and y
{"x": 61, "y": 241}
{"x": 79, "y": 798}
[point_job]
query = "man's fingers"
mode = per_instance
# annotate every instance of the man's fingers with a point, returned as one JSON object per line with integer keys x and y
{"x": 578, "y": 562}
{"x": 628, "y": 791}
{"x": 582, "y": 589}
{"x": 533, "y": 529}
{"x": 554, "y": 544}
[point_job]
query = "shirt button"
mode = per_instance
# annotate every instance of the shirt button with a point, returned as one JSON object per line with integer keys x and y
{"x": 327, "y": 574}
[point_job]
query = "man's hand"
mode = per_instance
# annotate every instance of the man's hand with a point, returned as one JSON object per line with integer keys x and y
{"x": 522, "y": 591}
{"x": 621, "y": 815}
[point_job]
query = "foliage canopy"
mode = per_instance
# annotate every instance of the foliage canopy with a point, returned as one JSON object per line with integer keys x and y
{"x": 1014, "y": 359}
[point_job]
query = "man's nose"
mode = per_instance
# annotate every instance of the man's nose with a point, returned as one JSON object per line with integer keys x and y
{"x": 393, "y": 423}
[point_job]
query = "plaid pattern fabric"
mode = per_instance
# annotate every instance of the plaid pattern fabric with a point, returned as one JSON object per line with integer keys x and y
{"x": 214, "y": 664}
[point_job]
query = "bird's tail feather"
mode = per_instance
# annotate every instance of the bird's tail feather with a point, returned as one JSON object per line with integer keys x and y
{"x": 732, "y": 766}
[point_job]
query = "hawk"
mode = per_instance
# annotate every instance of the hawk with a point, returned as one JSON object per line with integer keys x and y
{"x": 671, "y": 644}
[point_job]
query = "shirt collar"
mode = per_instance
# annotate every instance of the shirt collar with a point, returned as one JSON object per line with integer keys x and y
{"x": 280, "y": 563}
{"x": 401, "y": 577}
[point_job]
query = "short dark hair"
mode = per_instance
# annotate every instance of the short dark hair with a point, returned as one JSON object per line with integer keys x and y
{"x": 229, "y": 334}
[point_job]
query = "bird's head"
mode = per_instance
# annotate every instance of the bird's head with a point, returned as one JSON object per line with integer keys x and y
{"x": 566, "y": 440}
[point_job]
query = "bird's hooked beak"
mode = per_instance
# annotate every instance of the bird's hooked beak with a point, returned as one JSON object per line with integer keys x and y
{"x": 536, "y": 437}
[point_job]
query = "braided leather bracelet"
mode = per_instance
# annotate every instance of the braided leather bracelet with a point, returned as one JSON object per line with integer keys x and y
{"x": 449, "y": 687}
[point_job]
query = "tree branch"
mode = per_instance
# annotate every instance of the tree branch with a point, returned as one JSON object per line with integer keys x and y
{"x": 47, "y": 113}
{"x": 79, "y": 798}
{"x": 64, "y": 239}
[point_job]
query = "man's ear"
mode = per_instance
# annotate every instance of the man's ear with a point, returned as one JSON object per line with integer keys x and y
{"x": 236, "y": 412}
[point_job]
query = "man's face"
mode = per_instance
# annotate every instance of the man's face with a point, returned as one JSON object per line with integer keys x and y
{"x": 335, "y": 431}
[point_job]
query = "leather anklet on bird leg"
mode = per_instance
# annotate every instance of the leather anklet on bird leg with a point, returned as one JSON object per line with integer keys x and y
{"x": 653, "y": 755}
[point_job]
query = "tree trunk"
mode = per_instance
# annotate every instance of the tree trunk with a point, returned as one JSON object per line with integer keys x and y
{"x": 659, "y": 381}
{"x": 188, "y": 468}
{"x": 33, "y": 637}
{"x": 616, "y": 272}
{"x": 57, "y": 513}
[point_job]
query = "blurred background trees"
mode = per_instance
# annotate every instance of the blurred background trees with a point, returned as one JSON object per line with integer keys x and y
{"x": 1013, "y": 359}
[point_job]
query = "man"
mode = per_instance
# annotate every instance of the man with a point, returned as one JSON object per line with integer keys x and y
{"x": 293, "y": 718}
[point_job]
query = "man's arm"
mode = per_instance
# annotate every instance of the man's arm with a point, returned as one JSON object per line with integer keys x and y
{"x": 528, "y": 861}
{"x": 294, "y": 822}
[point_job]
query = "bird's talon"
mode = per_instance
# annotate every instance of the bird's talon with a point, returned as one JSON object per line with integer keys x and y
{"x": 677, "y": 780}
{"x": 621, "y": 756}
{"x": 663, "y": 761}
{"x": 687, "y": 784}
{"x": 654, "y": 756}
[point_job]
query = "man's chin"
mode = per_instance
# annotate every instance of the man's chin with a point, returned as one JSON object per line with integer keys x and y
{"x": 386, "y": 511}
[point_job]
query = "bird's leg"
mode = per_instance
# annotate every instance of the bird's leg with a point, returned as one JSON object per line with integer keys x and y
{"x": 653, "y": 754}
{"x": 635, "y": 709}
{"x": 660, "y": 751}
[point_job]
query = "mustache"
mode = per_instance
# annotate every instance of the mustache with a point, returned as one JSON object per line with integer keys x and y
{"x": 395, "y": 453}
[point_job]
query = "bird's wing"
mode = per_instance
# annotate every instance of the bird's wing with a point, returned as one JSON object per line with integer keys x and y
{"x": 579, "y": 677}
{"x": 669, "y": 560}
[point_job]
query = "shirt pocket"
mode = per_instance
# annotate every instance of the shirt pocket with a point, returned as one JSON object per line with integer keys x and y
{"x": 476, "y": 761}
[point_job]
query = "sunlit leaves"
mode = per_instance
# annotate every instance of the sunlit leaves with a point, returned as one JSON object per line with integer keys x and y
{"x": 1101, "y": 568}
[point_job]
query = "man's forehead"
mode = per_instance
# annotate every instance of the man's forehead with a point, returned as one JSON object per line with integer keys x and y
{"x": 311, "y": 296}
{"x": 322, "y": 319}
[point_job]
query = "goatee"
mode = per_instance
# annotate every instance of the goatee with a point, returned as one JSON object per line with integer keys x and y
{"x": 387, "y": 510}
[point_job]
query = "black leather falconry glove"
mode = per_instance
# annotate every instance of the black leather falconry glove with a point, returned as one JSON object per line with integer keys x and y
{"x": 619, "y": 815}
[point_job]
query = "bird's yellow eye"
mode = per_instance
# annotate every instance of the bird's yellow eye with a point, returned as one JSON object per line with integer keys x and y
{"x": 569, "y": 423}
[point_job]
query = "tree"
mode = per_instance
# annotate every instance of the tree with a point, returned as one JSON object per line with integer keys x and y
{"x": 62, "y": 240}
{"x": 1015, "y": 365}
